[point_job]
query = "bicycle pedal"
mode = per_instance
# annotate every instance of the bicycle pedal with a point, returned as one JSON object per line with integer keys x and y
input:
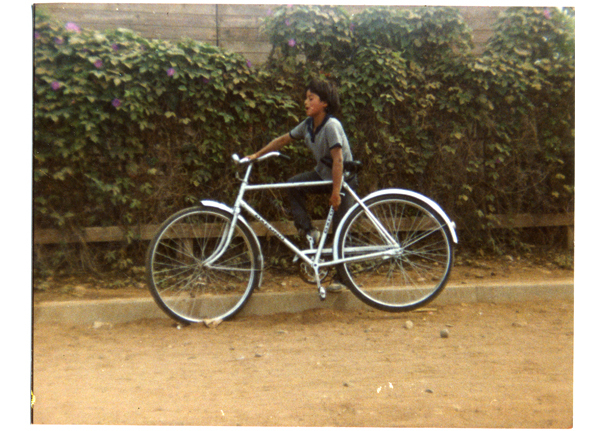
{"x": 322, "y": 293}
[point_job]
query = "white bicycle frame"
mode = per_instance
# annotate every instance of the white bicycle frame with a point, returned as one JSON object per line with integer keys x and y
{"x": 391, "y": 249}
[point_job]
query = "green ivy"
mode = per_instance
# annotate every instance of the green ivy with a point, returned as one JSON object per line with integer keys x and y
{"x": 128, "y": 130}
{"x": 482, "y": 135}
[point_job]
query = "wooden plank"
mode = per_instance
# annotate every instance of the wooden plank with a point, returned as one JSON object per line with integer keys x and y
{"x": 147, "y": 232}
{"x": 244, "y": 48}
{"x": 73, "y": 9}
{"x": 258, "y": 10}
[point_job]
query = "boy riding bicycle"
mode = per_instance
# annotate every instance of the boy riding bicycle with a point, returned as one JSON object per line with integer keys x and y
{"x": 325, "y": 136}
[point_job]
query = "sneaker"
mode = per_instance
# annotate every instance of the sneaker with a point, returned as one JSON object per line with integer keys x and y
{"x": 313, "y": 238}
{"x": 335, "y": 287}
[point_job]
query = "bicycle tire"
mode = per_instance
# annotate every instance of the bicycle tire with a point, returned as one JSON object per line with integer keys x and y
{"x": 182, "y": 282}
{"x": 408, "y": 277}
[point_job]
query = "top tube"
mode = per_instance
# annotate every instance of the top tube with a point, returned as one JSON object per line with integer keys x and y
{"x": 286, "y": 185}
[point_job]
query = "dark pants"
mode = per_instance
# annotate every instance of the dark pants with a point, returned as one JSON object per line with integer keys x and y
{"x": 297, "y": 196}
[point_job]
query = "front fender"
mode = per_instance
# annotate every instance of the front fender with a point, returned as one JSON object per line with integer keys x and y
{"x": 242, "y": 220}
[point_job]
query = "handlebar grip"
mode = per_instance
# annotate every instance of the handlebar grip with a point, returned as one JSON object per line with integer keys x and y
{"x": 245, "y": 160}
{"x": 237, "y": 159}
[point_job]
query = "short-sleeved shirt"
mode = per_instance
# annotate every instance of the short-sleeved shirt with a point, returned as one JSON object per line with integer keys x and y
{"x": 329, "y": 134}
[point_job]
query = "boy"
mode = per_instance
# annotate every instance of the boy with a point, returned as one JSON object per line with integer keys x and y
{"x": 325, "y": 136}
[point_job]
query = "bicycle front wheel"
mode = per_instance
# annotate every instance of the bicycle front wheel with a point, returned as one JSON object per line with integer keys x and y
{"x": 194, "y": 274}
{"x": 401, "y": 276}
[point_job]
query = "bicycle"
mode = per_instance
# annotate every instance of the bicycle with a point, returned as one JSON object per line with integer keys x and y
{"x": 393, "y": 249}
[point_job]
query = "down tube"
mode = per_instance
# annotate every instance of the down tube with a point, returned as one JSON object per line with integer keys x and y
{"x": 275, "y": 232}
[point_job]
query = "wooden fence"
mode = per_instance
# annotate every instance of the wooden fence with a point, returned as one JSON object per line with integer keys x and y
{"x": 147, "y": 232}
{"x": 235, "y": 27}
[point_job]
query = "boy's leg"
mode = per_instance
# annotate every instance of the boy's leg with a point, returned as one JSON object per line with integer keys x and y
{"x": 297, "y": 196}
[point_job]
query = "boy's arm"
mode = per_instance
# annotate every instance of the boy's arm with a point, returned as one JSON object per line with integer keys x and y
{"x": 337, "y": 172}
{"x": 275, "y": 145}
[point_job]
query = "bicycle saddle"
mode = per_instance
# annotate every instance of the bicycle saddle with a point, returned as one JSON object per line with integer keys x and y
{"x": 351, "y": 166}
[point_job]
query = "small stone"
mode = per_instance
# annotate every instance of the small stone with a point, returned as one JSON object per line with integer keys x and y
{"x": 519, "y": 324}
{"x": 444, "y": 333}
{"x": 212, "y": 323}
{"x": 429, "y": 391}
{"x": 101, "y": 325}
{"x": 257, "y": 355}
{"x": 282, "y": 331}
{"x": 347, "y": 384}
{"x": 408, "y": 324}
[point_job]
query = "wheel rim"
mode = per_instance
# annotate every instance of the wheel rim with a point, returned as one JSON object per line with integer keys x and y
{"x": 407, "y": 277}
{"x": 184, "y": 285}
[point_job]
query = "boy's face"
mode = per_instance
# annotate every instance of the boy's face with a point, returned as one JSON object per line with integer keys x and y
{"x": 314, "y": 105}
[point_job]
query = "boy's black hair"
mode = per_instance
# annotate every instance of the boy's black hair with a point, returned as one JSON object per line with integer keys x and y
{"x": 327, "y": 92}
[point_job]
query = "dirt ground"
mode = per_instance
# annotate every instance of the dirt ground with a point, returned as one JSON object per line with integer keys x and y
{"x": 500, "y": 366}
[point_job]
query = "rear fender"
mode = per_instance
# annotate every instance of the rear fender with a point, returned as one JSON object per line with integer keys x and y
{"x": 433, "y": 205}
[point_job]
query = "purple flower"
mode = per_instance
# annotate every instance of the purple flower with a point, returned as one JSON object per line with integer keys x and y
{"x": 287, "y": 22}
{"x": 58, "y": 40}
{"x": 55, "y": 85}
{"x": 171, "y": 71}
{"x": 269, "y": 12}
{"x": 547, "y": 13}
{"x": 205, "y": 80}
{"x": 292, "y": 43}
{"x": 98, "y": 64}
{"x": 37, "y": 35}
{"x": 71, "y": 26}
{"x": 249, "y": 64}
{"x": 115, "y": 47}
{"x": 116, "y": 103}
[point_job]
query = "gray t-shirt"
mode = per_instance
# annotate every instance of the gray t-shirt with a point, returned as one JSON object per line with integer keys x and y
{"x": 328, "y": 135}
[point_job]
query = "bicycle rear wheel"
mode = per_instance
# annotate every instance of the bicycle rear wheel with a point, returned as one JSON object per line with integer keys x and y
{"x": 400, "y": 278}
{"x": 193, "y": 275}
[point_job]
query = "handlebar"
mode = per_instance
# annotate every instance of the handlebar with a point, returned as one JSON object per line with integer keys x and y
{"x": 246, "y": 160}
